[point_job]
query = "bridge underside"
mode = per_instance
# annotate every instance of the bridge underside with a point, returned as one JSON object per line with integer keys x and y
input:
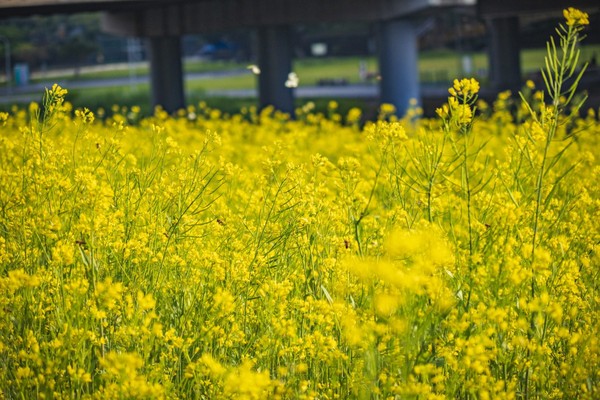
{"x": 163, "y": 22}
{"x": 238, "y": 12}
{"x": 398, "y": 22}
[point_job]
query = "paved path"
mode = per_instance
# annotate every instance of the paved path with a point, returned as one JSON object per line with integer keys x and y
{"x": 346, "y": 91}
{"x": 33, "y": 92}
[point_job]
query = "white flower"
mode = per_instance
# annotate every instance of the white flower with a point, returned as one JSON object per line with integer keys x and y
{"x": 292, "y": 80}
{"x": 254, "y": 68}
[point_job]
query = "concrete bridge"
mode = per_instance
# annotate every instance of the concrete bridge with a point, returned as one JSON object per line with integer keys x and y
{"x": 163, "y": 22}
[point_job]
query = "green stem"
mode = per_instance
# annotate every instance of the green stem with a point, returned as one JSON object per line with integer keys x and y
{"x": 560, "y": 71}
{"x": 468, "y": 192}
{"x": 365, "y": 211}
{"x": 429, "y": 189}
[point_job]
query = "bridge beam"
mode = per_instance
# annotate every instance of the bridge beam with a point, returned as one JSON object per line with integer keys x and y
{"x": 505, "y": 8}
{"x": 275, "y": 62}
{"x": 166, "y": 72}
{"x": 504, "y": 53}
{"x": 398, "y": 63}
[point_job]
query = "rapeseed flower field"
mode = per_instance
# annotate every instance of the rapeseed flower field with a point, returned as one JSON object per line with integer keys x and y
{"x": 254, "y": 256}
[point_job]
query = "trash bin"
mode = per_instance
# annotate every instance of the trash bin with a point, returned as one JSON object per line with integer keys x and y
{"x": 21, "y": 74}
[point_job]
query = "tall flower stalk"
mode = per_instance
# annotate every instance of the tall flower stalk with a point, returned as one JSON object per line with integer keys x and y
{"x": 458, "y": 117}
{"x": 561, "y": 67}
{"x": 562, "y": 77}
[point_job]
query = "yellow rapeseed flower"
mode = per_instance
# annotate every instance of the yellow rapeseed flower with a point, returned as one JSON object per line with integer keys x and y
{"x": 576, "y": 17}
{"x": 86, "y": 116}
{"x": 145, "y": 301}
{"x": 58, "y": 91}
{"x": 152, "y": 258}
{"x": 442, "y": 111}
{"x": 464, "y": 88}
{"x": 387, "y": 109}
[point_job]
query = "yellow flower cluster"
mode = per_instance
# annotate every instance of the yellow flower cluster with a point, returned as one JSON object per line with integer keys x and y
{"x": 85, "y": 115}
{"x": 575, "y": 17}
{"x": 253, "y": 256}
{"x": 57, "y": 91}
{"x": 465, "y": 87}
{"x": 459, "y": 112}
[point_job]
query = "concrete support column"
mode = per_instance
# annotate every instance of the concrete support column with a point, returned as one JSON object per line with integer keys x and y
{"x": 398, "y": 63}
{"x": 166, "y": 72}
{"x": 504, "y": 51}
{"x": 275, "y": 62}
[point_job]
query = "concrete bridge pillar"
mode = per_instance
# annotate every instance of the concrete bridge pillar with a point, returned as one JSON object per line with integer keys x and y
{"x": 398, "y": 63}
{"x": 504, "y": 53}
{"x": 275, "y": 62}
{"x": 166, "y": 72}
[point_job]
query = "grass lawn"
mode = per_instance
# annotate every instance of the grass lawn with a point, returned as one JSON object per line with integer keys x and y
{"x": 431, "y": 63}
{"x": 121, "y": 71}
{"x": 438, "y": 67}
